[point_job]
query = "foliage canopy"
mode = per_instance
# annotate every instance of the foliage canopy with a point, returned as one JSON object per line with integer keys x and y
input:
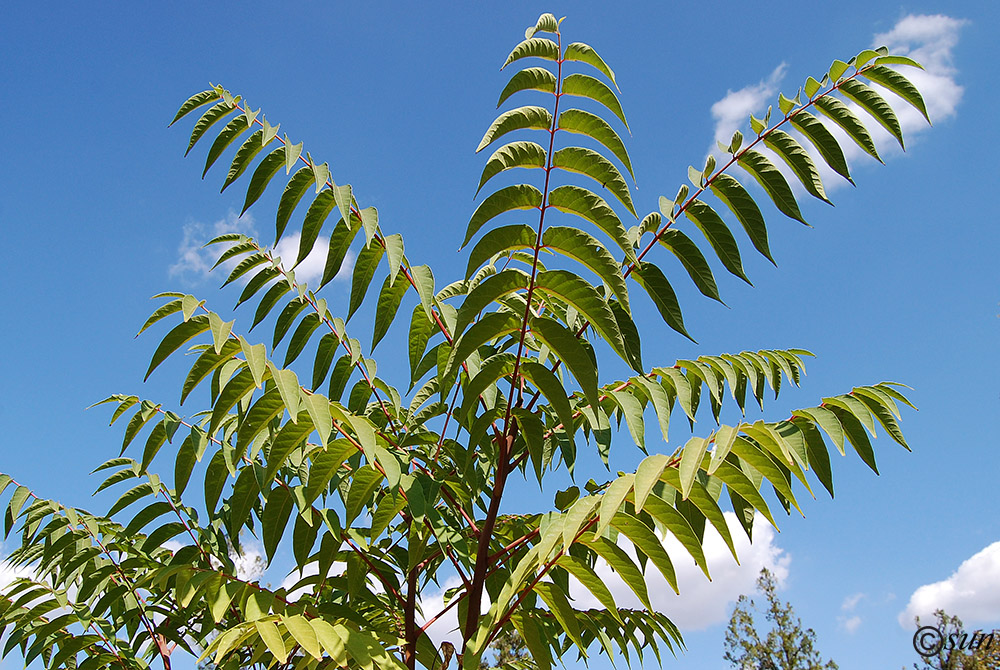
{"x": 382, "y": 492}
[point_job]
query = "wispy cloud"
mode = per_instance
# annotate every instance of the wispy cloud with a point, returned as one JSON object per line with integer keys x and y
{"x": 928, "y": 39}
{"x": 972, "y": 592}
{"x": 733, "y": 110}
{"x": 195, "y": 261}
{"x": 850, "y": 602}
{"x": 851, "y": 624}
{"x": 701, "y": 603}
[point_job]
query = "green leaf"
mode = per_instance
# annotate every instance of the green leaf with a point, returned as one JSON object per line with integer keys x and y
{"x": 874, "y": 104}
{"x": 290, "y": 197}
{"x": 646, "y": 541}
{"x": 489, "y": 291}
{"x": 529, "y": 79}
{"x": 300, "y": 338}
{"x": 533, "y": 47}
{"x": 587, "y": 87}
{"x": 175, "y": 338}
{"x": 214, "y": 114}
{"x": 388, "y": 305}
{"x": 245, "y": 493}
{"x": 194, "y": 102}
{"x": 597, "y": 167}
{"x": 731, "y": 192}
{"x": 798, "y": 159}
{"x": 233, "y": 129}
{"x": 824, "y": 141}
{"x": 652, "y": 279}
{"x": 622, "y": 565}
{"x": 592, "y": 207}
{"x": 559, "y": 605}
{"x": 584, "y": 53}
{"x": 272, "y": 638}
{"x": 856, "y": 434}
{"x": 772, "y": 181}
{"x": 591, "y": 581}
{"x": 514, "y": 155}
{"x": 550, "y": 386}
{"x": 288, "y": 387}
{"x": 325, "y": 465}
{"x": 364, "y": 271}
{"x": 292, "y": 154}
{"x": 421, "y": 330}
{"x": 898, "y": 84}
{"x": 718, "y": 235}
{"x": 340, "y": 242}
{"x": 840, "y": 114}
{"x": 303, "y": 634}
{"x": 499, "y": 240}
{"x": 570, "y": 351}
{"x": 631, "y": 409}
{"x": 313, "y": 223}
{"x": 646, "y": 476}
{"x": 522, "y": 118}
{"x": 690, "y": 256}
{"x": 837, "y": 70}
{"x": 583, "y": 247}
{"x": 691, "y": 458}
{"x": 575, "y": 291}
{"x": 241, "y": 161}
{"x": 395, "y": 254}
{"x": 220, "y": 331}
{"x": 596, "y": 128}
{"x": 509, "y": 198}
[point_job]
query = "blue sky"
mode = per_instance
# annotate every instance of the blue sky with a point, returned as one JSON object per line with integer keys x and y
{"x": 898, "y": 282}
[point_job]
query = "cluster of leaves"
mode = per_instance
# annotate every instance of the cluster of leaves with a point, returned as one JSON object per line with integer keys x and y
{"x": 378, "y": 501}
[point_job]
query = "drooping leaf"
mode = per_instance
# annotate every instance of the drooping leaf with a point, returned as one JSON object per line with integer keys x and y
{"x": 841, "y": 114}
{"x": 533, "y": 47}
{"x": 585, "y": 123}
{"x": 498, "y": 240}
{"x": 798, "y": 159}
{"x": 873, "y": 103}
{"x": 364, "y": 271}
{"x": 718, "y": 235}
{"x": 690, "y": 256}
{"x": 514, "y": 155}
{"x": 584, "y": 53}
{"x": 532, "y": 78}
{"x": 522, "y": 118}
{"x": 583, "y": 247}
{"x": 658, "y": 287}
{"x": 586, "y": 86}
{"x": 597, "y": 167}
{"x": 592, "y": 207}
{"x": 824, "y": 141}
{"x": 772, "y": 181}
{"x": 507, "y": 199}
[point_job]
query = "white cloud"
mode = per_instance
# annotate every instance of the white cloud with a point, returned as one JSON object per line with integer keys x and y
{"x": 851, "y": 625}
{"x": 928, "y": 39}
{"x": 701, "y": 602}
{"x": 8, "y": 573}
{"x": 972, "y": 592}
{"x": 850, "y": 602}
{"x": 195, "y": 261}
{"x": 733, "y": 110}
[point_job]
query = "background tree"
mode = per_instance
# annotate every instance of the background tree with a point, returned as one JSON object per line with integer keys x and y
{"x": 509, "y": 651}
{"x": 785, "y": 647}
{"x": 380, "y": 492}
{"x": 960, "y": 648}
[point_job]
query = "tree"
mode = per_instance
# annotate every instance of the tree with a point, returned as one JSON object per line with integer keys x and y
{"x": 786, "y": 646}
{"x": 382, "y": 493}
{"x": 950, "y": 646}
{"x": 509, "y": 651}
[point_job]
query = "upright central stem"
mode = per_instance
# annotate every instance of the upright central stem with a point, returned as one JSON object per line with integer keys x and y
{"x": 505, "y": 443}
